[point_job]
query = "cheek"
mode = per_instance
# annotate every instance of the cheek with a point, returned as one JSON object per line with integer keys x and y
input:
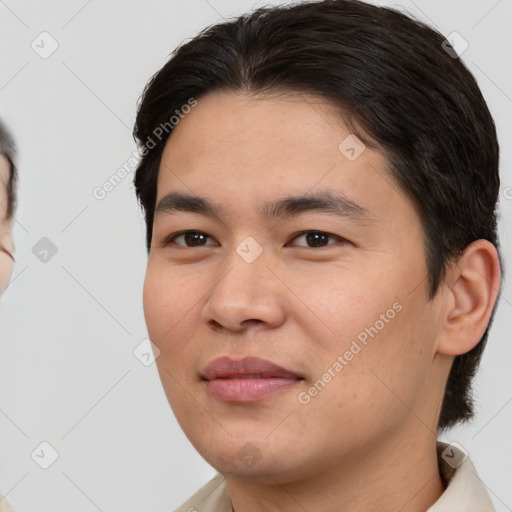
{"x": 379, "y": 383}
{"x": 164, "y": 298}
{"x": 341, "y": 306}
{"x": 168, "y": 309}
{"x": 154, "y": 301}
{"x": 170, "y": 302}
{"x": 381, "y": 330}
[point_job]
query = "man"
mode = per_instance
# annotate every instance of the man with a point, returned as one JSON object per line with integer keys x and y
{"x": 319, "y": 183}
{"x": 8, "y": 177}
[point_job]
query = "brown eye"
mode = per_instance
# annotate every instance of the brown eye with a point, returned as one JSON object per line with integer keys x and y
{"x": 316, "y": 239}
{"x": 189, "y": 239}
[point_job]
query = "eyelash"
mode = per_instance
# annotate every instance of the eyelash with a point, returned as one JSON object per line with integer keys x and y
{"x": 171, "y": 240}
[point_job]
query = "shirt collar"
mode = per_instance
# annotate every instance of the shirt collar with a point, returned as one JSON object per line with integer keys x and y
{"x": 465, "y": 492}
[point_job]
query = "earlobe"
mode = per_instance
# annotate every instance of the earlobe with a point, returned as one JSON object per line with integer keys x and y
{"x": 473, "y": 283}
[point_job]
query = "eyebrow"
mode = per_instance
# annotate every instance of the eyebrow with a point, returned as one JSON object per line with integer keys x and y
{"x": 323, "y": 202}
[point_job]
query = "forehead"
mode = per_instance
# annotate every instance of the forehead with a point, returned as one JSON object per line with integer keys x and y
{"x": 258, "y": 135}
{"x": 293, "y": 122}
{"x": 255, "y": 144}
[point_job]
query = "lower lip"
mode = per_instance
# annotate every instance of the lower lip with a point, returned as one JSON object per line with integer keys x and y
{"x": 248, "y": 390}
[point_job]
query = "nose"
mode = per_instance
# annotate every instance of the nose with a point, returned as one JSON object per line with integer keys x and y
{"x": 245, "y": 294}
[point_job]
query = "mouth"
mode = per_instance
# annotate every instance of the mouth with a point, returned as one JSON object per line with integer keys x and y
{"x": 246, "y": 380}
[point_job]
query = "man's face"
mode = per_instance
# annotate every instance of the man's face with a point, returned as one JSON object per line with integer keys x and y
{"x": 300, "y": 286}
{"x": 6, "y": 243}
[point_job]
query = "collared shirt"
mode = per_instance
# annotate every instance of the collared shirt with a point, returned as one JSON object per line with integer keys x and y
{"x": 464, "y": 491}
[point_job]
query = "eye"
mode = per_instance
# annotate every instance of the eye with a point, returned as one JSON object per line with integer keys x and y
{"x": 189, "y": 239}
{"x": 3, "y": 249}
{"x": 316, "y": 239}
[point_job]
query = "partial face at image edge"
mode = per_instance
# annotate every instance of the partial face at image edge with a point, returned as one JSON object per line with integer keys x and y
{"x": 6, "y": 242}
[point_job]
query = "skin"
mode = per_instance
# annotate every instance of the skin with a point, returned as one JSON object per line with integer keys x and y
{"x": 6, "y": 242}
{"x": 367, "y": 440}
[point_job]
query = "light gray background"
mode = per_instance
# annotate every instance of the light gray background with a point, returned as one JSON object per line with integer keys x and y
{"x": 69, "y": 326}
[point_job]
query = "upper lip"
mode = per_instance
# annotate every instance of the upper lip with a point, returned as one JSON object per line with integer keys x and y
{"x": 228, "y": 368}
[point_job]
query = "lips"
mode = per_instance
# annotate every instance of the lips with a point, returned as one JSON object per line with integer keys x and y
{"x": 246, "y": 380}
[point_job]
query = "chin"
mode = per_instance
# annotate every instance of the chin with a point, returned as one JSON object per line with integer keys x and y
{"x": 251, "y": 456}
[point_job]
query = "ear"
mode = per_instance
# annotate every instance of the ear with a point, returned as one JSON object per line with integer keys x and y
{"x": 471, "y": 288}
